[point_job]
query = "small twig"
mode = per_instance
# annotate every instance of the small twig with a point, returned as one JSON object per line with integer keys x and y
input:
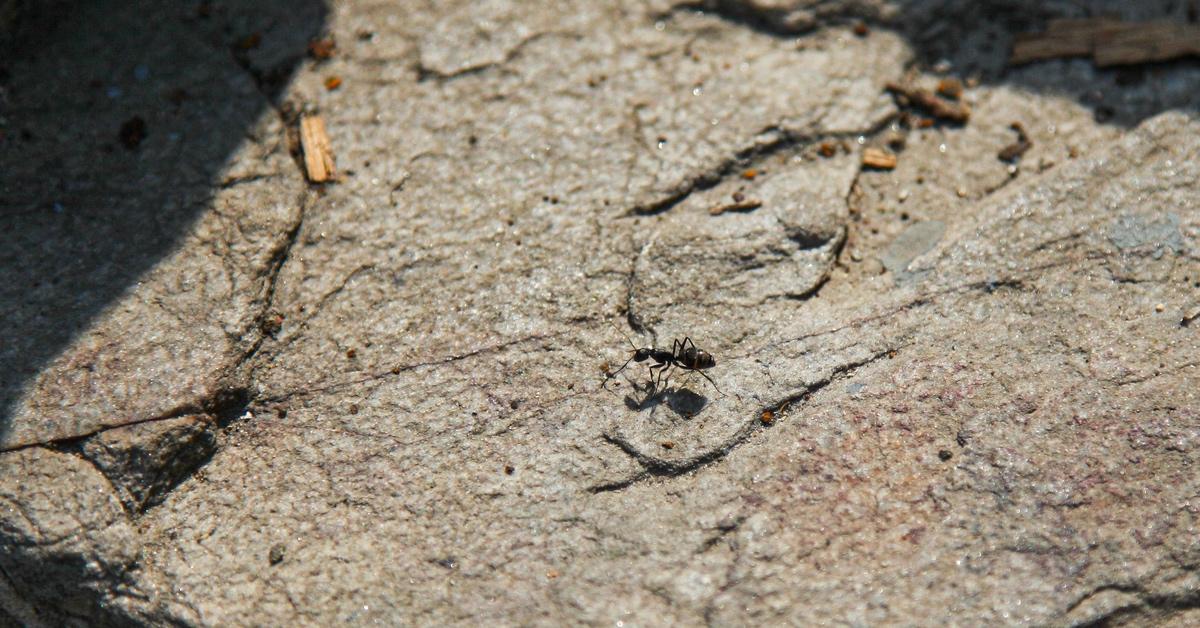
{"x": 931, "y": 103}
{"x": 750, "y": 204}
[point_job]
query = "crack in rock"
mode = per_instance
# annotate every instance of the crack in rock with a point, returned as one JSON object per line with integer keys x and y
{"x": 224, "y": 405}
{"x": 653, "y": 466}
{"x": 778, "y": 139}
{"x": 275, "y": 265}
{"x": 425, "y": 71}
{"x": 773, "y": 20}
{"x": 310, "y": 390}
{"x": 635, "y": 320}
{"x": 1132, "y": 604}
{"x": 987, "y": 286}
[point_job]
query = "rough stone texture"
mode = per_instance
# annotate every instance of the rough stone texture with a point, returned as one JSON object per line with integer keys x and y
{"x": 145, "y": 461}
{"x": 956, "y": 392}
{"x": 137, "y": 272}
{"x": 67, "y": 544}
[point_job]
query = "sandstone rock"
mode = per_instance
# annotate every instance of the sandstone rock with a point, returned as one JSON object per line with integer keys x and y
{"x": 391, "y": 404}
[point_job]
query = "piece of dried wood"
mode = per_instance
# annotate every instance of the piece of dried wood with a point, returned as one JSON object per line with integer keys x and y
{"x": 1149, "y": 41}
{"x": 878, "y": 158}
{"x": 931, "y": 103}
{"x": 950, "y": 87}
{"x": 1013, "y": 152}
{"x": 318, "y": 153}
{"x": 1108, "y": 42}
{"x": 1062, "y": 38}
{"x": 743, "y": 205}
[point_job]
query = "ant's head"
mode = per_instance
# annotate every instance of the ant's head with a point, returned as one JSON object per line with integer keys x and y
{"x": 704, "y": 360}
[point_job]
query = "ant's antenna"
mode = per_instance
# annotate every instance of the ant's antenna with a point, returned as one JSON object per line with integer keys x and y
{"x": 631, "y": 345}
{"x": 614, "y": 326}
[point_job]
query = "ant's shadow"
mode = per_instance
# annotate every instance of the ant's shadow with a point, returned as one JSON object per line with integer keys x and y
{"x": 682, "y": 401}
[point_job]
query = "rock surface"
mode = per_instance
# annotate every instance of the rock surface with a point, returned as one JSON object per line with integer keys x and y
{"x": 961, "y": 390}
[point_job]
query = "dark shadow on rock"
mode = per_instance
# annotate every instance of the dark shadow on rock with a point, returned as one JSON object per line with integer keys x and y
{"x": 650, "y": 398}
{"x": 973, "y": 39}
{"x": 685, "y": 402}
{"x": 116, "y": 119}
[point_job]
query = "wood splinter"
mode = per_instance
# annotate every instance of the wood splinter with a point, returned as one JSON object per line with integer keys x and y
{"x": 736, "y": 206}
{"x": 1012, "y": 153}
{"x": 318, "y": 153}
{"x": 878, "y": 158}
{"x": 1108, "y": 41}
{"x": 930, "y": 102}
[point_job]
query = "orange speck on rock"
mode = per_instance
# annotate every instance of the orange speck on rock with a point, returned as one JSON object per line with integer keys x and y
{"x": 321, "y": 49}
{"x": 249, "y": 42}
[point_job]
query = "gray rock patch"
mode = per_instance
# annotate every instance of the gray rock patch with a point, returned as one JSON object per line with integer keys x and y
{"x": 1136, "y": 230}
{"x": 914, "y": 241}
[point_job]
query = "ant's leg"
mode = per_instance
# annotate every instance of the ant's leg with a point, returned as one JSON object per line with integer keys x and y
{"x": 667, "y": 377}
{"x": 666, "y": 374}
{"x": 660, "y": 366}
{"x": 714, "y": 384}
{"x": 655, "y": 369}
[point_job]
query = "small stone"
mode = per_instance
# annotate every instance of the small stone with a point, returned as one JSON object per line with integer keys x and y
{"x": 321, "y": 49}
{"x": 132, "y": 132}
{"x": 950, "y": 87}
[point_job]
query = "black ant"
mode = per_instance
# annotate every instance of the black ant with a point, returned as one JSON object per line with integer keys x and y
{"x": 683, "y": 355}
